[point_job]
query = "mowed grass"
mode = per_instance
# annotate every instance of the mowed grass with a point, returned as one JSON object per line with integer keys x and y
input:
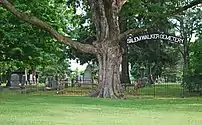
{"x": 46, "y": 108}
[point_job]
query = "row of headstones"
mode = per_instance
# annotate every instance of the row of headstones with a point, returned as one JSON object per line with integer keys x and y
{"x": 16, "y": 81}
{"x": 50, "y": 82}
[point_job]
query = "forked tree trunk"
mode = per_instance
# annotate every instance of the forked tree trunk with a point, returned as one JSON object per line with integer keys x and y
{"x": 105, "y": 17}
{"x": 109, "y": 74}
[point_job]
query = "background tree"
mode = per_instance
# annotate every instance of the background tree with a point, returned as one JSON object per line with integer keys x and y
{"x": 186, "y": 25}
{"x": 193, "y": 75}
{"x": 25, "y": 46}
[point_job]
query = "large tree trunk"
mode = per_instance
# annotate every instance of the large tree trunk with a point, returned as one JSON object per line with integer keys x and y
{"x": 105, "y": 18}
{"x": 109, "y": 74}
{"x": 185, "y": 52}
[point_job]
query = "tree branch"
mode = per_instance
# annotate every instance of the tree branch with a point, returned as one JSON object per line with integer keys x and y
{"x": 118, "y": 4}
{"x": 190, "y": 5}
{"x": 43, "y": 25}
{"x": 99, "y": 19}
{"x": 181, "y": 51}
{"x": 133, "y": 31}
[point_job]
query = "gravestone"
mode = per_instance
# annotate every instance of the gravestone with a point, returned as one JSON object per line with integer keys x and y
{"x": 87, "y": 77}
{"x": 15, "y": 81}
{"x": 21, "y": 78}
{"x": 51, "y": 83}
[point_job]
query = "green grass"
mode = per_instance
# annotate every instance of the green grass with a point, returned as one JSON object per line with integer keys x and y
{"x": 46, "y": 108}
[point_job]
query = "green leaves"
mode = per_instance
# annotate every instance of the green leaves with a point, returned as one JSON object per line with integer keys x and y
{"x": 27, "y": 45}
{"x": 196, "y": 57}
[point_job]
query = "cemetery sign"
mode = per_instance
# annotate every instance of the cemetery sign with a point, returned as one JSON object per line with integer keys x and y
{"x": 155, "y": 36}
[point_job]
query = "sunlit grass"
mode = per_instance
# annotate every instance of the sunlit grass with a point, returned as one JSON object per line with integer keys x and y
{"x": 47, "y": 108}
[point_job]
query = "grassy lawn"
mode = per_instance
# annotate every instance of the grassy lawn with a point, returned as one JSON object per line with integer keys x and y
{"x": 46, "y": 108}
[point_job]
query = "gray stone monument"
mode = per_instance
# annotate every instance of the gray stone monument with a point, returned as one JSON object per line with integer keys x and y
{"x": 51, "y": 83}
{"x": 87, "y": 77}
{"x": 15, "y": 81}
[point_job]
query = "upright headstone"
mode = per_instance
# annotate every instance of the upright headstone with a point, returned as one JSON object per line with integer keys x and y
{"x": 15, "y": 81}
{"x": 51, "y": 83}
{"x": 87, "y": 77}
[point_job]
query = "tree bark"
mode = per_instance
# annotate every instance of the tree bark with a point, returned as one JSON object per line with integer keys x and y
{"x": 125, "y": 78}
{"x": 109, "y": 74}
{"x": 185, "y": 52}
{"x": 185, "y": 55}
{"x": 105, "y": 18}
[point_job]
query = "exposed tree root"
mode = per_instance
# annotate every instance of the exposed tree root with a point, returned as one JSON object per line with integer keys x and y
{"x": 112, "y": 95}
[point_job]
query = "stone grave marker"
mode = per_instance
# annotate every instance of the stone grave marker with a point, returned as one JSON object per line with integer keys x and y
{"x": 51, "y": 83}
{"x": 15, "y": 81}
{"x": 87, "y": 77}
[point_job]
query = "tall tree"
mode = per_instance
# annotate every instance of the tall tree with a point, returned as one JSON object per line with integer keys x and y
{"x": 187, "y": 25}
{"x": 106, "y": 47}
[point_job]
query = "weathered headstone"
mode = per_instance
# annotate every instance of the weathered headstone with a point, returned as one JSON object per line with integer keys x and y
{"x": 87, "y": 77}
{"x": 51, "y": 83}
{"x": 15, "y": 81}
